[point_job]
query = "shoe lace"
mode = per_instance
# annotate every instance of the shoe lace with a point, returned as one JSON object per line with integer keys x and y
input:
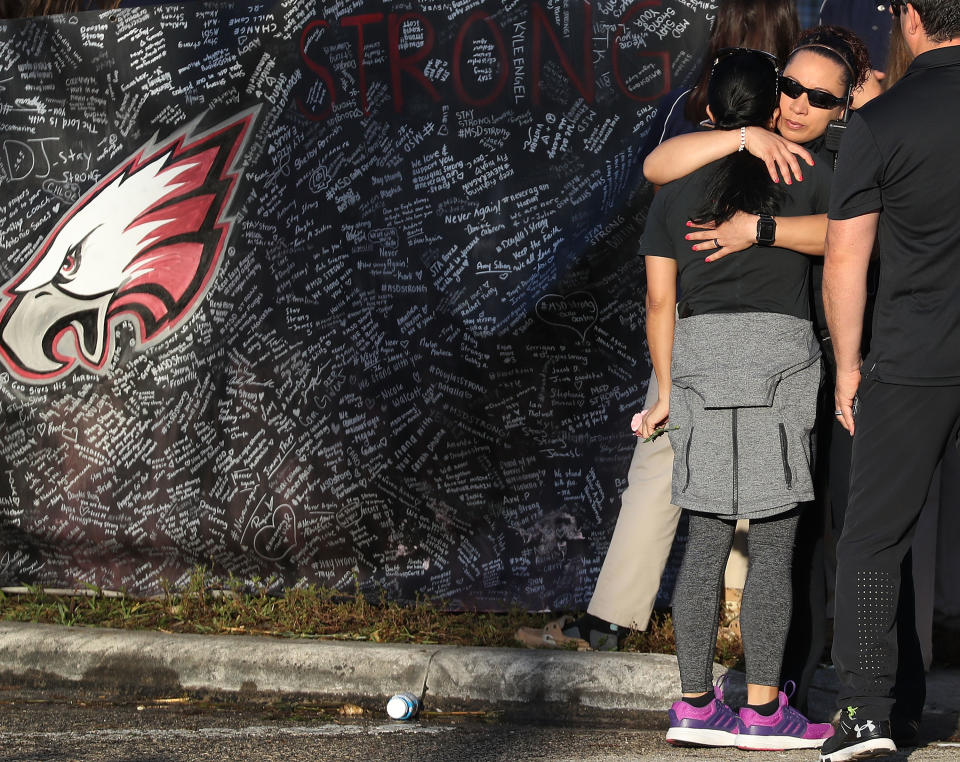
{"x": 789, "y": 688}
{"x": 718, "y": 686}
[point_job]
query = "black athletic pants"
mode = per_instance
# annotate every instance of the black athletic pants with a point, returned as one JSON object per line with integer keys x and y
{"x": 901, "y": 434}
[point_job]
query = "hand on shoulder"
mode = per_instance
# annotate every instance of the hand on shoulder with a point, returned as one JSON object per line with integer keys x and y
{"x": 779, "y": 154}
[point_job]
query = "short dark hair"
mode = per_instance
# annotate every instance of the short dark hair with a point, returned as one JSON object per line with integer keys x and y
{"x": 940, "y": 18}
{"x": 841, "y": 46}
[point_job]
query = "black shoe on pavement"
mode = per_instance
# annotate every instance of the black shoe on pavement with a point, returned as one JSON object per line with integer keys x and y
{"x": 858, "y": 738}
{"x": 599, "y": 633}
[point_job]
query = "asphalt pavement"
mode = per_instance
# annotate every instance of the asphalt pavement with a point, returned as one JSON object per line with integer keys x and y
{"x": 42, "y": 726}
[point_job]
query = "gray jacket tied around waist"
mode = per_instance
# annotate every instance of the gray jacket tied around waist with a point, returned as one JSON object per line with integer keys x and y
{"x": 744, "y": 400}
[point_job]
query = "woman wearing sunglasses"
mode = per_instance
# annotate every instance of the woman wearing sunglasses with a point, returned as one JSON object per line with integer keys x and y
{"x": 738, "y": 375}
{"x": 827, "y": 64}
{"x": 827, "y": 69}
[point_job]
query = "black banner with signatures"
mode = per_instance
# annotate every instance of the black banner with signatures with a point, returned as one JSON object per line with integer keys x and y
{"x": 332, "y": 293}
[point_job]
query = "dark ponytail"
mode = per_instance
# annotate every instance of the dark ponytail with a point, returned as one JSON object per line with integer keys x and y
{"x": 742, "y": 92}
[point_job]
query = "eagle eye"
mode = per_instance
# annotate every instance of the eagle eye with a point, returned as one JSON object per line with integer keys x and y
{"x": 70, "y": 265}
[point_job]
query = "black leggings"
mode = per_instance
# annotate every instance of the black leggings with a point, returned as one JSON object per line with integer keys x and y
{"x": 767, "y": 597}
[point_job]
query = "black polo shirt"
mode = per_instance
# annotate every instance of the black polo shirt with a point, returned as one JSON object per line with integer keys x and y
{"x": 757, "y": 279}
{"x": 901, "y": 156}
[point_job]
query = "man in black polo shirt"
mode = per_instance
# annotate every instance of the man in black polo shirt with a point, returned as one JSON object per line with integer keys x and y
{"x": 898, "y": 181}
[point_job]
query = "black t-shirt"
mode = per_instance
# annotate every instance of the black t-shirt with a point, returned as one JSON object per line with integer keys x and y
{"x": 820, "y": 153}
{"x": 757, "y": 279}
{"x": 899, "y": 157}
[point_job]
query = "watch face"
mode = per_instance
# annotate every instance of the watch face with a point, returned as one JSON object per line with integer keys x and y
{"x": 766, "y": 230}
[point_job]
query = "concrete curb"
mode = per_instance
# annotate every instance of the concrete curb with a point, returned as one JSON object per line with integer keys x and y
{"x": 542, "y": 684}
{"x": 548, "y": 685}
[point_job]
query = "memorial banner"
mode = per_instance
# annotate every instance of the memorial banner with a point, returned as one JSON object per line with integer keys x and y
{"x": 339, "y": 293}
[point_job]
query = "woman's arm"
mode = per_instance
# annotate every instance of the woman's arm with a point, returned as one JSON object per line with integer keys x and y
{"x": 679, "y": 156}
{"x": 804, "y": 233}
{"x": 661, "y": 317}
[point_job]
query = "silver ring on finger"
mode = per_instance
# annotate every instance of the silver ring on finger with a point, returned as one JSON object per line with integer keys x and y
{"x": 716, "y": 243}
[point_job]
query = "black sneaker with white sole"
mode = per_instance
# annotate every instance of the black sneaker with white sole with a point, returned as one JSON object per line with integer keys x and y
{"x": 858, "y": 738}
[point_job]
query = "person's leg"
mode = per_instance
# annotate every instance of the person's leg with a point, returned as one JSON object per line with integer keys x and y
{"x": 630, "y": 576}
{"x": 697, "y": 598}
{"x": 806, "y": 637}
{"x": 768, "y": 599}
{"x": 910, "y": 687}
{"x": 701, "y": 718}
{"x": 923, "y": 569}
{"x": 768, "y": 721}
{"x": 841, "y": 451}
{"x": 901, "y": 432}
{"x": 947, "y": 599}
{"x": 838, "y": 486}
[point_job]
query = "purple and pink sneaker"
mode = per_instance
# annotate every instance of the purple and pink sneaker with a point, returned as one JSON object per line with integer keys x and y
{"x": 784, "y": 729}
{"x": 713, "y": 725}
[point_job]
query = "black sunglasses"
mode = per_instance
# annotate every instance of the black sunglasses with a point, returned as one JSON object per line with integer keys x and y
{"x": 817, "y": 98}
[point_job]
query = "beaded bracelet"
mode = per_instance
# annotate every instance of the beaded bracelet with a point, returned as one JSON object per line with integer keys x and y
{"x": 743, "y": 139}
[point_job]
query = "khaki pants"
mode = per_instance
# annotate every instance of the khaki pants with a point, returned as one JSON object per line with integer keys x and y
{"x": 630, "y": 576}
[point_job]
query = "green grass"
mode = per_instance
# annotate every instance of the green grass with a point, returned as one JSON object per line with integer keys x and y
{"x": 316, "y": 612}
{"x": 312, "y": 612}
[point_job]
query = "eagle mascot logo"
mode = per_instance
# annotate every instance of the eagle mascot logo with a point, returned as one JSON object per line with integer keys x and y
{"x": 142, "y": 245}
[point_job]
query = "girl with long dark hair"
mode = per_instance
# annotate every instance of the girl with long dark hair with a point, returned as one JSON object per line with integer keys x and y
{"x": 738, "y": 375}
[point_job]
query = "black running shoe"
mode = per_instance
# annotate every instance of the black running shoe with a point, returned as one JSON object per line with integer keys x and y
{"x": 858, "y": 738}
{"x": 599, "y": 633}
